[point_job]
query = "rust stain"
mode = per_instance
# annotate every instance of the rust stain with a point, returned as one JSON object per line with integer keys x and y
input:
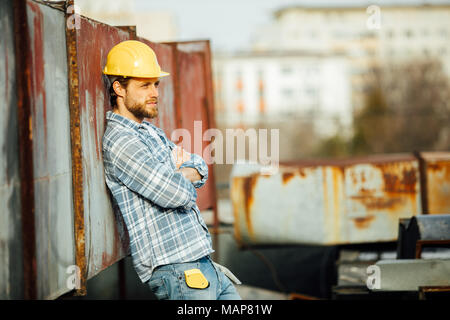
{"x": 379, "y": 203}
{"x": 107, "y": 260}
{"x": 94, "y": 40}
{"x": 364, "y": 222}
{"x": 287, "y": 176}
{"x": 77, "y": 166}
{"x": 89, "y": 80}
{"x": 337, "y": 177}
{"x": 365, "y": 191}
{"x": 248, "y": 186}
{"x": 235, "y": 186}
{"x": 396, "y": 181}
{"x": 25, "y": 103}
{"x": 353, "y": 177}
{"x": 437, "y": 166}
{"x": 302, "y": 173}
{"x": 110, "y": 259}
{"x": 38, "y": 64}
{"x": 438, "y": 183}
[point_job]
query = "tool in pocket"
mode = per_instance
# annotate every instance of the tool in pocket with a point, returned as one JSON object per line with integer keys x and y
{"x": 195, "y": 279}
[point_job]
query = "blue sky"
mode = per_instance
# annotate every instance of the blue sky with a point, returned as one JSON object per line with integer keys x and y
{"x": 229, "y": 24}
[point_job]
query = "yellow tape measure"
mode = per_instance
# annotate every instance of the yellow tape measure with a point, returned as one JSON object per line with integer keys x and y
{"x": 195, "y": 279}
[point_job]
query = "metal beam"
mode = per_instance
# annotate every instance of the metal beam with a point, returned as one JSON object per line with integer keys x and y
{"x": 77, "y": 165}
{"x": 24, "y": 105}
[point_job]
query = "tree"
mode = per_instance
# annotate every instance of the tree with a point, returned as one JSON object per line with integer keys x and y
{"x": 407, "y": 108}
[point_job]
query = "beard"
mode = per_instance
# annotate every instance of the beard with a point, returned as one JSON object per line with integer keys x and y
{"x": 141, "y": 109}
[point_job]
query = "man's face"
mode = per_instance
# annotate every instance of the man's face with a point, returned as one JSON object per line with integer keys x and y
{"x": 141, "y": 97}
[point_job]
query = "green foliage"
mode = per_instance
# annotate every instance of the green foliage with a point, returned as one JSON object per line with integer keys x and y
{"x": 406, "y": 109}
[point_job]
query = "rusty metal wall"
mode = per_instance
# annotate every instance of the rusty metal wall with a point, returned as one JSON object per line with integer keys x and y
{"x": 72, "y": 219}
{"x": 107, "y": 244}
{"x": 105, "y": 240}
{"x": 334, "y": 202}
{"x": 51, "y": 150}
{"x": 168, "y": 118}
{"x": 194, "y": 61}
{"x": 192, "y": 103}
{"x": 11, "y": 262}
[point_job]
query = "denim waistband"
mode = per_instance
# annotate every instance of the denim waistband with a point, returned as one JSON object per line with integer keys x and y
{"x": 204, "y": 259}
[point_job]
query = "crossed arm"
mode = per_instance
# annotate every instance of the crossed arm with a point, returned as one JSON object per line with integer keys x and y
{"x": 191, "y": 165}
{"x": 154, "y": 180}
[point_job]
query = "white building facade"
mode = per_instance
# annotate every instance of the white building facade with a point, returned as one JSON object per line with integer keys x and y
{"x": 314, "y": 61}
{"x": 275, "y": 86}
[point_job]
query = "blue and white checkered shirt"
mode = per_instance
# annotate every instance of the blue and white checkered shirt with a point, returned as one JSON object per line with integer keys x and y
{"x": 157, "y": 202}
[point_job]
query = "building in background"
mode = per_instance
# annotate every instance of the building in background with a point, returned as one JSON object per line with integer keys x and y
{"x": 315, "y": 60}
{"x": 281, "y": 85}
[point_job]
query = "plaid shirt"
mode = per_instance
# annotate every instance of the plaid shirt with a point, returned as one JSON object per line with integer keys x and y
{"x": 157, "y": 202}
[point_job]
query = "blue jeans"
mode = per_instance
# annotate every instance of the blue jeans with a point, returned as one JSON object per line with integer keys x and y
{"x": 168, "y": 282}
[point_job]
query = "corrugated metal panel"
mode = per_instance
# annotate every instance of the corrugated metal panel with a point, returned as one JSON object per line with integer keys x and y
{"x": 106, "y": 240}
{"x": 51, "y": 150}
{"x": 437, "y": 167}
{"x": 195, "y": 107}
{"x": 11, "y": 270}
{"x": 167, "y": 108}
{"x": 329, "y": 203}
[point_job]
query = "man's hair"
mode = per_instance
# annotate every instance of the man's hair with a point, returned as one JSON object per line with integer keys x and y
{"x": 112, "y": 94}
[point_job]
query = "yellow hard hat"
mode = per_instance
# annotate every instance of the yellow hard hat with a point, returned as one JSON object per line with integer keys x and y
{"x": 133, "y": 58}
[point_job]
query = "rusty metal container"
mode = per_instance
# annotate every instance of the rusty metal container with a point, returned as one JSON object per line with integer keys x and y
{"x": 436, "y": 169}
{"x": 327, "y": 202}
{"x": 51, "y": 150}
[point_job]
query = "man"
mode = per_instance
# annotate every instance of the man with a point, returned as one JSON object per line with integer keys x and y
{"x": 154, "y": 184}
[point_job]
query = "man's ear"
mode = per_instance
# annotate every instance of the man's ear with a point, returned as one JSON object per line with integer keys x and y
{"x": 118, "y": 89}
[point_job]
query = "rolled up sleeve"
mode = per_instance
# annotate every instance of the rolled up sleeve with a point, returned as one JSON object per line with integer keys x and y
{"x": 198, "y": 163}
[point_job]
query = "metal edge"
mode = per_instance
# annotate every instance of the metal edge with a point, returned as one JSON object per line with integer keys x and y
{"x": 130, "y": 29}
{"x": 76, "y": 150}
{"x": 23, "y": 75}
{"x": 176, "y": 86}
{"x": 209, "y": 109}
{"x": 423, "y": 182}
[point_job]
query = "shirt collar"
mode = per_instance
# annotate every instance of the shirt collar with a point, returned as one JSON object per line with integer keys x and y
{"x": 111, "y": 116}
{"x": 151, "y": 125}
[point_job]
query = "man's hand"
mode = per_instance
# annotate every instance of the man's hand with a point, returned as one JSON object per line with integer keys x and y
{"x": 191, "y": 174}
{"x": 180, "y": 156}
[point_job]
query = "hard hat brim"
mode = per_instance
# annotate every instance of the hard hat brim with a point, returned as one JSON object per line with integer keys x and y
{"x": 162, "y": 74}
